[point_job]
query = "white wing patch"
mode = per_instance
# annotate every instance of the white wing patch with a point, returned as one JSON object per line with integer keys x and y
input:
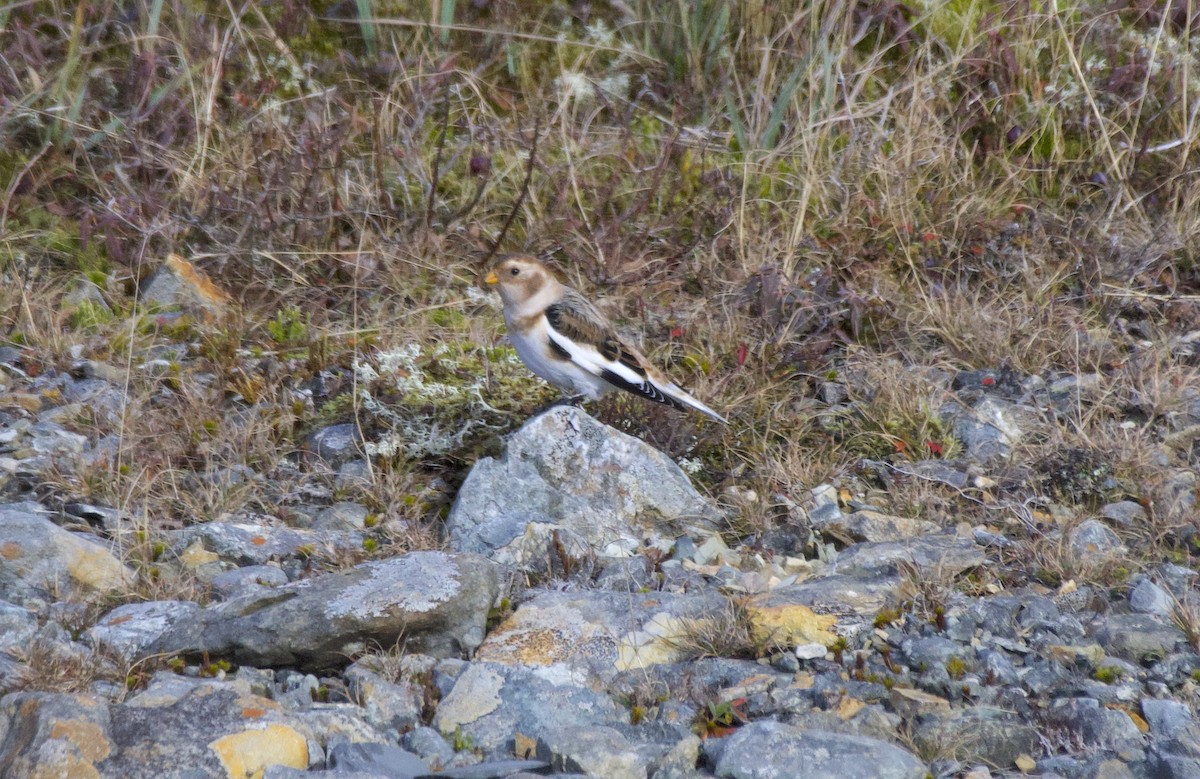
{"x": 588, "y": 358}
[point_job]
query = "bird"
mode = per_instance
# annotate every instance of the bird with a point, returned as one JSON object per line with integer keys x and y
{"x": 564, "y": 339}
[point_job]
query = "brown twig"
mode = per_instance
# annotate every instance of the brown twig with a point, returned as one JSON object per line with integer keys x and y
{"x": 437, "y": 158}
{"x": 469, "y": 207}
{"x": 537, "y": 128}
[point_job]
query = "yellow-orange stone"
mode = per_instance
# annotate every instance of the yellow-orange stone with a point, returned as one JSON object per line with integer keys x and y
{"x": 247, "y": 754}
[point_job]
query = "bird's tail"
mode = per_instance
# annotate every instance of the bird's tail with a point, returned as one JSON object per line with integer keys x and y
{"x": 680, "y": 399}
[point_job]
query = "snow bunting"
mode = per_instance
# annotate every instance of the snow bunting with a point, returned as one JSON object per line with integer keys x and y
{"x": 563, "y": 338}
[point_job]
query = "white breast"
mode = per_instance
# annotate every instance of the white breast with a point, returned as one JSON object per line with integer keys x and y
{"x": 533, "y": 347}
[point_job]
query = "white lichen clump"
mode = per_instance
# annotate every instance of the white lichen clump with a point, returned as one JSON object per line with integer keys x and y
{"x": 416, "y": 435}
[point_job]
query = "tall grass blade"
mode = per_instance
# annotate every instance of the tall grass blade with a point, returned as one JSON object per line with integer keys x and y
{"x": 446, "y": 20}
{"x": 155, "y": 17}
{"x": 370, "y": 33}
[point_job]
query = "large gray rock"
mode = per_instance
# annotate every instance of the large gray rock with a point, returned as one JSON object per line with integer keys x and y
{"x": 491, "y": 703}
{"x": 438, "y": 602}
{"x": 130, "y": 629}
{"x": 1094, "y": 543}
{"x": 1173, "y": 727}
{"x": 771, "y": 750}
{"x": 495, "y": 769}
{"x": 600, "y": 490}
{"x": 945, "y": 555}
{"x": 1146, "y": 597}
{"x": 592, "y": 750}
{"x": 209, "y": 731}
{"x": 40, "y": 562}
{"x": 383, "y": 760}
{"x": 17, "y": 627}
{"x": 1138, "y": 638}
{"x": 978, "y": 734}
{"x": 53, "y": 734}
{"x": 1168, "y": 766}
{"x": 1095, "y": 724}
{"x": 243, "y": 543}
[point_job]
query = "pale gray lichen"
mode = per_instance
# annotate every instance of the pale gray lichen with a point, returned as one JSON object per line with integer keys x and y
{"x": 417, "y": 583}
{"x": 440, "y": 392}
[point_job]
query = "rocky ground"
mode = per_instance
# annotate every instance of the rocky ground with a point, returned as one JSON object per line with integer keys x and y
{"x": 589, "y": 613}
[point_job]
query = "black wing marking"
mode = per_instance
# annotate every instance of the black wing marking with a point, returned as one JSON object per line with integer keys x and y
{"x": 557, "y": 350}
{"x": 646, "y": 389}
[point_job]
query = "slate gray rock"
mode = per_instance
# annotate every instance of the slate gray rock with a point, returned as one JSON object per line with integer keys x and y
{"x": 53, "y": 734}
{"x": 1146, "y": 597}
{"x": 336, "y": 445}
{"x": 1095, "y": 724}
{"x": 490, "y": 703}
{"x": 565, "y": 473}
{"x": 947, "y": 555}
{"x": 129, "y": 630}
{"x": 1167, "y": 766}
{"x": 44, "y": 563}
{"x": 496, "y": 769}
{"x": 429, "y": 745}
{"x": 245, "y": 543}
{"x": 984, "y": 734}
{"x": 1094, "y": 543}
{"x": 1138, "y": 638}
{"x": 1126, "y": 513}
{"x": 592, "y": 750}
{"x": 383, "y": 760}
{"x": 771, "y": 750}
{"x": 438, "y": 602}
{"x": 12, "y": 674}
{"x": 1173, "y": 727}
{"x": 17, "y": 627}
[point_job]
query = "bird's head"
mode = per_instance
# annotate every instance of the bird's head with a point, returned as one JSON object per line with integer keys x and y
{"x": 518, "y": 278}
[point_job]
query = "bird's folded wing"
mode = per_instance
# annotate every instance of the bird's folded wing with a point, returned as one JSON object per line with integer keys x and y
{"x": 578, "y": 331}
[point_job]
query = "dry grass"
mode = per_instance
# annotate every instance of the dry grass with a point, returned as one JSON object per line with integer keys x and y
{"x": 767, "y": 195}
{"x": 728, "y": 633}
{"x": 50, "y": 666}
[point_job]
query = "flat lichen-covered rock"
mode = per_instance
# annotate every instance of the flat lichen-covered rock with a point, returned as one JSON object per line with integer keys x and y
{"x": 601, "y": 633}
{"x": 41, "y": 562}
{"x": 772, "y": 750}
{"x": 438, "y": 602}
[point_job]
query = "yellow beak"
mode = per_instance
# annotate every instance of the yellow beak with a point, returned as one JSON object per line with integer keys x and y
{"x": 492, "y": 278}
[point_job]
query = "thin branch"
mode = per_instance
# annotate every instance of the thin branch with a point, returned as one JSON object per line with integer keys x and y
{"x": 469, "y": 207}
{"x": 437, "y": 159}
{"x": 537, "y": 128}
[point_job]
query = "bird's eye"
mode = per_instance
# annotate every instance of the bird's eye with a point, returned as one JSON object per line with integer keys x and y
{"x": 515, "y": 271}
